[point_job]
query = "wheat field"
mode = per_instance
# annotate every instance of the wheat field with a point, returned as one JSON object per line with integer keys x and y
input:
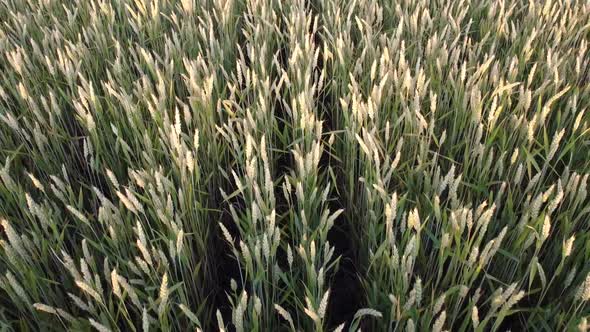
{"x": 301, "y": 165}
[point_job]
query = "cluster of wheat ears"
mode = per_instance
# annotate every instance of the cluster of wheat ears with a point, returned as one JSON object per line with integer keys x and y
{"x": 301, "y": 165}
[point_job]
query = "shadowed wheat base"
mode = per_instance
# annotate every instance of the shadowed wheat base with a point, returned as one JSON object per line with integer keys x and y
{"x": 268, "y": 165}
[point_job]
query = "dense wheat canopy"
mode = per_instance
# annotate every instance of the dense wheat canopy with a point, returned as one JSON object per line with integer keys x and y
{"x": 301, "y": 165}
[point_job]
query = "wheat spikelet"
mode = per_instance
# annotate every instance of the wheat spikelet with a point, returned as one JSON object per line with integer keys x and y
{"x": 99, "y": 327}
{"x": 567, "y": 246}
{"x": 89, "y": 290}
{"x": 475, "y": 317}
{"x": 14, "y": 239}
{"x": 285, "y": 315}
{"x": 16, "y": 287}
{"x": 438, "y": 324}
